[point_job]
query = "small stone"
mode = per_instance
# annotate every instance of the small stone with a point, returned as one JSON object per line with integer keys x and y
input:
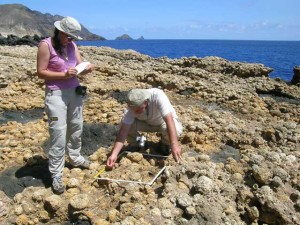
{"x": 113, "y": 215}
{"x": 184, "y": 200}
{"x": 18, "y": 210}
{"x": 44, "y": 215}
{"x": 73, "y": 183}
{"x": 126, "y": 208}
{"x": 284, "y": 176}
{"x": 27, "y": 207}
{"x": 135, "y": 157}
{"x": 54, "y": 202}
{"x": 237, "y": 177}
{"x": 101, "y": 222}
{"x": 191, "y": 211}
{"x": 164, "y": 203}
{"x": 203, "y": 185}
{"x": 22, "y": 220}
{"x": 166, "y": 213}
{"x": 38, "y": 196}
{"x": 230, "y": 210}
{"x": 139, "y": 211}
{"x": 276, "y": 181}
{"x": 80, "y": 201}
{"x": 156, "y": 212}
{"x": 261, "y": 175}
{"x": 253, "y": 213}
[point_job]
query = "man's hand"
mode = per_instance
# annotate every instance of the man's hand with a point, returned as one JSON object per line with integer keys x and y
{"x": 175, "y": 148}
{"x": 176, "y": 152}
{"x": 111, "y": 161}
{"x": 119, "y": 143}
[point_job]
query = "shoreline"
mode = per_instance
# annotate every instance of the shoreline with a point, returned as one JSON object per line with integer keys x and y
{"x": 278, "y": 55}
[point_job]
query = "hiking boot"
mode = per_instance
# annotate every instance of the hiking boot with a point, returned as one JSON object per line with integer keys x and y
{"x": 85, "y": 165}
{"x": 57, "y": 185}
{"x": 165, "y": 149}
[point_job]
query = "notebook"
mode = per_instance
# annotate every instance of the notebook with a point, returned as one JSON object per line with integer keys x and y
{"x": 81, "y": 67}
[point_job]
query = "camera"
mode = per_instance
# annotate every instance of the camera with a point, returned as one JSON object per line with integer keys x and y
{"x": 141, "y": 140}
{"x": 81, "y": 90}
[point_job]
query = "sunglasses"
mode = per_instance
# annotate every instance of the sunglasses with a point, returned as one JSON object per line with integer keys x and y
{"x": 70, "y": 38}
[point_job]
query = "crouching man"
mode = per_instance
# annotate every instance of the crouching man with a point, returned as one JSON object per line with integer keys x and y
{"x": 149, "y": 110}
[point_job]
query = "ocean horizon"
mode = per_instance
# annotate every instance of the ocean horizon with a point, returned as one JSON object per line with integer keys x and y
{"x": 282, "y": 56}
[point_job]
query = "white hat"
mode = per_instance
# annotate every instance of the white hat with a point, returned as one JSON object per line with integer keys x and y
{"x": 70, "y": 26}
{"x": 136, "y": 97}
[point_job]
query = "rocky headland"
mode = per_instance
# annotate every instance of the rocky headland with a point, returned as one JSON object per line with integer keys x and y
{"x": 20, "y": 21}
{"x": 241, "y": 142}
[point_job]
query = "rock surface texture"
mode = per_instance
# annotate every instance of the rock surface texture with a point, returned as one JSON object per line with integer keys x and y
{"x": 240, "y": 162}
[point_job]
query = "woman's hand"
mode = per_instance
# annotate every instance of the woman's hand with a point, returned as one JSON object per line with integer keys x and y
{"x": 71, "y": 72}
{"x": 89, "y": 68}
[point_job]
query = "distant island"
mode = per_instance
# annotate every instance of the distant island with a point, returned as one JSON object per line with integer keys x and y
{"x": 124, "y": 37}
{"x": 127, "y": 37}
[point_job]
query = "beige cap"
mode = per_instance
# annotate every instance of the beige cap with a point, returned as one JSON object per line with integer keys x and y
{"x": 70, "y": 26}
{"x": 136, "y": 97}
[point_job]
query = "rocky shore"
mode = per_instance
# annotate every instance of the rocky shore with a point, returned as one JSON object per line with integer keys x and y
{"x": 240, "y": 144}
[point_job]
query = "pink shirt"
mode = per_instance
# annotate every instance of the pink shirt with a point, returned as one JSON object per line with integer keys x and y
{"x": 58, "y": 63}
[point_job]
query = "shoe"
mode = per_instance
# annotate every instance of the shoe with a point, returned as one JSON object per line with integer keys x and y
{"x": 165, "y": 149}
{"x": 57, "y": 185}
{"x": 85, "y": 165}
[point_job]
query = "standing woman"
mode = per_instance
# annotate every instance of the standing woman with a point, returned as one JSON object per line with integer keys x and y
{"x": 56, "y": 60}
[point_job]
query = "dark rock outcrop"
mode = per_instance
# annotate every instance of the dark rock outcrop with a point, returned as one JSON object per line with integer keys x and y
{"x": 296, "y": 77}
{"x": 13, "y": 40}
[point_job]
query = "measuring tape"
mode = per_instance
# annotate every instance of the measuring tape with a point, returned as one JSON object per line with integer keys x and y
{"x": 99, "y": 173}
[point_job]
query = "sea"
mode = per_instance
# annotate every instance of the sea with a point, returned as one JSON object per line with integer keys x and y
{"x": 282, "y": 56}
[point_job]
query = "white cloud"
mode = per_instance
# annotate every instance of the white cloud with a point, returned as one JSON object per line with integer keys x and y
{"x": 258, "y": 30}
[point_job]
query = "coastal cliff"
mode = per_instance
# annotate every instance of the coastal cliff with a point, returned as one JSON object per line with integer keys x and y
{"x": 19, "y": 21}
{"x": 240, "y": 162}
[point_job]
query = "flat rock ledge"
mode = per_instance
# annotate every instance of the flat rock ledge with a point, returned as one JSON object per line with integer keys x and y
{"x": 240, "y": 161}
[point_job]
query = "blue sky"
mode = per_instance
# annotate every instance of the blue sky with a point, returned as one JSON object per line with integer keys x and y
{"x": 180, "y": 19}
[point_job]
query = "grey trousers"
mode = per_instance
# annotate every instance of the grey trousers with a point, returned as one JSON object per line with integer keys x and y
{"x": 64, "y": 111}
{"x": 142, "y": 126}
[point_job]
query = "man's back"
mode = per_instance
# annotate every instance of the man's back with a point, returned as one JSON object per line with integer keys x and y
{"x": 158, "y": 106}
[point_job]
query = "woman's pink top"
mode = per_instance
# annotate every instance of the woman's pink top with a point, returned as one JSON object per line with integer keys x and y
{"x": 59, "y": 63}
